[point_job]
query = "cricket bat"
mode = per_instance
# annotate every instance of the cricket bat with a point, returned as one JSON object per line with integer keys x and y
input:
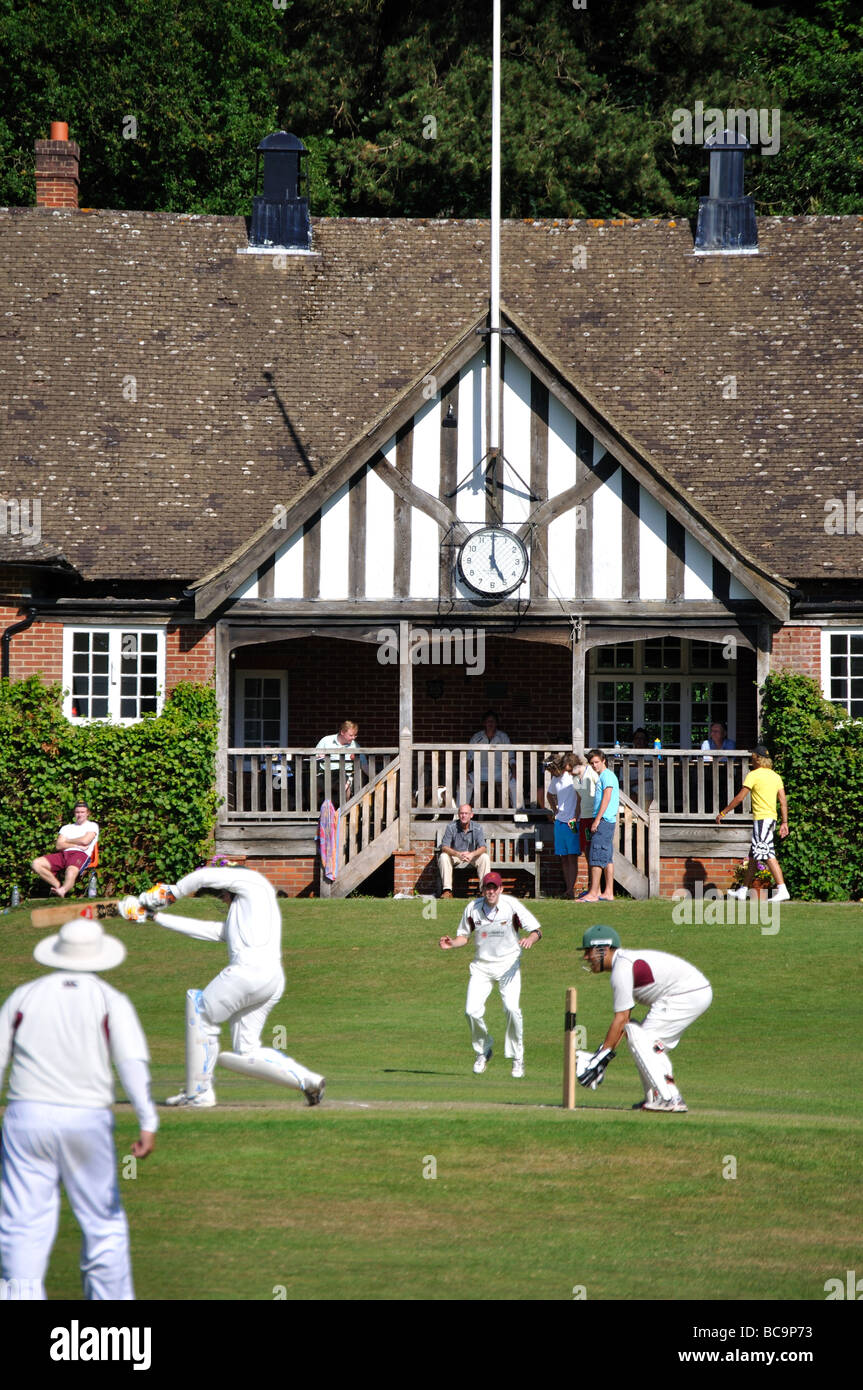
{"x": 68, "y": 911}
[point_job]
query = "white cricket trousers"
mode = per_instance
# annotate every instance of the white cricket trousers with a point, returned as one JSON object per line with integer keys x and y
{"x": 483, "y": 977}
{"x": 44, "y": 1145}
{"x": 671, "y": 1015}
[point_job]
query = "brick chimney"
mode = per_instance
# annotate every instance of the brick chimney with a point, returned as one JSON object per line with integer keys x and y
{"x": 57, "y": 169}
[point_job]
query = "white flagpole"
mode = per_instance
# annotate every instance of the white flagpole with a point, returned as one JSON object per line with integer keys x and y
{"x": 494, "y": 316}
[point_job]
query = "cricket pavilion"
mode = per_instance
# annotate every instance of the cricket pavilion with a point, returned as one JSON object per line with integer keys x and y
{"x": 262, "y": 456}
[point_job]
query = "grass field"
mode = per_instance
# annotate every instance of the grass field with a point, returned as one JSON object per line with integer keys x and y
{"x": 263, "y": 1197}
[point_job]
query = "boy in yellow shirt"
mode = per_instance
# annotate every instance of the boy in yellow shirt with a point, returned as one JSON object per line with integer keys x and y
{"x": 765, "y": 787}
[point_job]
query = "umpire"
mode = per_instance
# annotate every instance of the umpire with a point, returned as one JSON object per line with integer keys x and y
{"x": 62, "y": 1033}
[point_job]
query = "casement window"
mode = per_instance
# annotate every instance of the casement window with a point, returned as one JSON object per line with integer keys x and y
{"x": 115, "y": 673}
{"x": 842, "y": 668}
{"x": 673, "y": 687}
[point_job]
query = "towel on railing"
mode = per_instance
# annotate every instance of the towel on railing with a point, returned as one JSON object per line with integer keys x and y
{"x": 329, "y": 826}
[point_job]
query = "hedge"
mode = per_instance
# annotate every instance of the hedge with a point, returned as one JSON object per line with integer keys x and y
{"x": 818, "y": 751}
{"x": 149, "y": 785}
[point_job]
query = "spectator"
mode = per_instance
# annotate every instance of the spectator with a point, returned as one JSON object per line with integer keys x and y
{"x": 606, "y": 803}
{"x": 488, "y": 736}
{"x": 345, "y": 739}
{"x": 563, "y": 800}
{"x": 584, "y": 781}
{"x": 72, "y": 852}
{"x": 765, "y": 787}
{"x": 462, "y": 847}
{"x": 718, "y": 740}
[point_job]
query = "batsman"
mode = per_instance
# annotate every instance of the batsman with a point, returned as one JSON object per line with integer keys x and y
{"x": 243, "y": 994}
{"x": 677, "y": 994}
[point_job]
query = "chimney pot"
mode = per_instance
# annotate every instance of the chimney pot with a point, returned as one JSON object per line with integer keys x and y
{"x": 59, "y": 130}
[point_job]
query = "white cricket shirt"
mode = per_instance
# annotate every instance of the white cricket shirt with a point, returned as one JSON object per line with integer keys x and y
{"x": 496, "y": 930}
{"x": 252, "y": 929}
{"x": 642, "y": 977}
{"x": 62, "y": 1032}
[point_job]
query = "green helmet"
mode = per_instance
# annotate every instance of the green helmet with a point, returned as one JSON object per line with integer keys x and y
{"x": 600, "y": 936}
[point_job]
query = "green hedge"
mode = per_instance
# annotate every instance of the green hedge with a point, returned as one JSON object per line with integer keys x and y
{"x": 818, "y": 751}
{"x": 150, "y": 786}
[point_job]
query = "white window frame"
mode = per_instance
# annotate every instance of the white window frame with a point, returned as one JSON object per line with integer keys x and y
{"x": 273, "y": 673}
{"x": 639, "y": 675}
{"x": 826, "y": 634}
{"x": 116, "y": 634}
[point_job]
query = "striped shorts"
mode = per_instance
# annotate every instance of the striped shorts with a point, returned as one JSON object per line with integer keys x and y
{"x": 761, "y": 846}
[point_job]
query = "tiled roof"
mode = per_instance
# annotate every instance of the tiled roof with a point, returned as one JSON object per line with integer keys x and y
{"x": 163, "y": 394}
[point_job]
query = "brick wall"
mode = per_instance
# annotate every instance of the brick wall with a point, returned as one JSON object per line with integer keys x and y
{"x": 798, "y": 649}
{"x": 38, "y": 651}
{"x": 190, "y": 654}
{"x": 686, "y": 873}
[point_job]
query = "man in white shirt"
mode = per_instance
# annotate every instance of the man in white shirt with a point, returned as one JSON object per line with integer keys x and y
{"x": 677, "y": 994}
{"x": 72, "y": 852}
{"x": 495, "y": 921}
{"x": 344, "y": 742}
{"x": 490, "y": 736}
{"x": 243, "y": 994}
{"x": 62, "y": 1032}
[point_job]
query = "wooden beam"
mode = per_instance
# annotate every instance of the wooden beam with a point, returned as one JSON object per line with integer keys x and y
{"x": 406, "y": 724}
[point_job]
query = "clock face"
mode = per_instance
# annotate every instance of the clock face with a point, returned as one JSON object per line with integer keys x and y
{"x": 493, "y": 562}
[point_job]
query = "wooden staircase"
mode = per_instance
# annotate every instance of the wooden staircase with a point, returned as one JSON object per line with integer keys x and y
{"x": 368, "y": 832}
{"x": 636, "y": 851}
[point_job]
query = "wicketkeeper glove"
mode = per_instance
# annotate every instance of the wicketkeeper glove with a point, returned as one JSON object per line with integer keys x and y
{"x": 594, "y": 1072}
{"x": 132, "y": 910}
{"x": 158, "y": 896}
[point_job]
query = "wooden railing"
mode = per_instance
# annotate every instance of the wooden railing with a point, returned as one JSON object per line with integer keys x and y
{"x": 684, "y": 782}
{"x": 369, "y": 812}
{"x": 291, "y": 784}
{"x": 638, "y": 842}
{"x": 501, "y": 779}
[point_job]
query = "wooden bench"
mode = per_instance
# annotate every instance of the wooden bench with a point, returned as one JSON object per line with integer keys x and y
{"x": 510, "y": 851}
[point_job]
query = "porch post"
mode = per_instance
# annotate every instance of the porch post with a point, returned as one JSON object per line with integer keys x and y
{"x": 406, "y": 724}
{"x": 579, "y": 656}
{"x": 223, "y": 698}
{"x": 763, "y": 648}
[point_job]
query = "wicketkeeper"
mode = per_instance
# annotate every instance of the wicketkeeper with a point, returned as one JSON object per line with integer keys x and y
{"x": 243, "y": 994}
{"x": 677, "y": 994}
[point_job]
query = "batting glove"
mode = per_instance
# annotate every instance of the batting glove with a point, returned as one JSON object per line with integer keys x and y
{"x": 594, "y": 1073}
{"x": 131, "y": 909}
{"x": 158, "y": 896}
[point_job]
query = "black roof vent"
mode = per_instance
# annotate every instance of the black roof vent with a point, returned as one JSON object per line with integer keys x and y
{"x": 726, "y": 217}
{"x": 280, "y": 216}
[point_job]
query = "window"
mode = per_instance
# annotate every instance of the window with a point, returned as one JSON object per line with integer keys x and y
{"x": 113, "y": 673}
{"x": 261, "y": 709}
{"x": 656, "y": 688}
{"x": 842, "y": 669}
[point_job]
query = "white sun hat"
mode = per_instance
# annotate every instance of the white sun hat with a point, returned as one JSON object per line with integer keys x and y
{"x": 80, "y": 945}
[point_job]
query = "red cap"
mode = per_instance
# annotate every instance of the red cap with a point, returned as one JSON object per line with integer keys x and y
{"x": 492, "y": 881}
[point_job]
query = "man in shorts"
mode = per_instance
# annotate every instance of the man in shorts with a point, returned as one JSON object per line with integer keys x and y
{"x": 606, "y": 803}
{"x": 72, "y": 852}
{"x": 765, "y": 787}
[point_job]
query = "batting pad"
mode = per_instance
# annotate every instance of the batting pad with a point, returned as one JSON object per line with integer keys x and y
{"x": 202, "y": 1045}
{"x": 266, "y": 1064}
{"x": 652, "y": 1061}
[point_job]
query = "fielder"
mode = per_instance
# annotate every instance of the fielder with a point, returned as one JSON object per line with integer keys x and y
{"x": 677, "y": 993}
{"x": 243, "y": 994}
{"x": 62, "y": 1033}
{"x": 496, "y": 921}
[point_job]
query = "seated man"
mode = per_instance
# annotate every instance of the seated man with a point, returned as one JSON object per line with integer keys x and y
{"x": 487, "y": 737}
{"x": 462, "y": 847}
{"x": 72, "y": 852}
{"x": 341, "y": 742}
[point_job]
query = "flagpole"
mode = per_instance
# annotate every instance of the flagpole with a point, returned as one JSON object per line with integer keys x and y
{"x": 494, "y": 307}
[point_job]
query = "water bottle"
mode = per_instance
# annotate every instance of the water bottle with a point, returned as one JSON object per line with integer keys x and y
{"x": 657, "y": 747}
{"x": 93, "y": 885}
{"x": 15, "y": 900}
